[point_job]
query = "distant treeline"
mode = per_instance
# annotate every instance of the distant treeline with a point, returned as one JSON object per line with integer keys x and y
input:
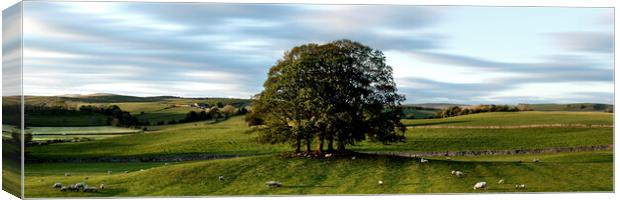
{"x": 115, "y": 116}
{"x": 457, "y": 110}
{"x": 214, "y": 113}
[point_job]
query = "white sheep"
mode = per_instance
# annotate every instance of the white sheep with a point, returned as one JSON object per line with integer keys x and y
{"x": 501, "y": 181}
{"x": 453, "y": 172}
{"x": 80, "y": 185}
{"x": 57, "y": 185}
{"x": 101, "y": 186}
{"x": 536, "y": 160}
{"x": 353, "y": 158}
{"x": 89, "y": 189}
{"x": 328, "y": 155}
{"x": 422, "y": 160}
{"x": 520, "y": 186}
{"x": 67, "y": 174}
{"x": 221, "y": 178}
{"x": 109, "y": 172}
{"x": 480, "y": 185}
{"x": 458, "y": 173}
{"x": 64, "y": 188}
{"x": 380, "y": 182}
{"x": 273, "y": 184}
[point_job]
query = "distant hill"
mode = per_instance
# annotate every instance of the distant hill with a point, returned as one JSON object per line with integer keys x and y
{"x": 436, "y": 106}
{"x": 114, "y": 98}
{"x": 591, "y": 107}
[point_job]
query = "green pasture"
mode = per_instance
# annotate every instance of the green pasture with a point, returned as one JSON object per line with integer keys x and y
{"x": 518, "y": 118}
{"x": 341, "y": 175}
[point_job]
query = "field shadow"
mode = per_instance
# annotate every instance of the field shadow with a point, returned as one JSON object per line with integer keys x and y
{"x": 439, "y": 123}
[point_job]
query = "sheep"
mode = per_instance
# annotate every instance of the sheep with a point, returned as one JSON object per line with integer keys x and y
{"x": 67, "y": 174}
{"x": 109, "y": 172}
{"x": 101, "y": 186}
{"x": 536, "y": 160}
{"x": 353, "y": 158}
{"x": 520, "y": 186}
{"x": 141, "y": 170}
{"x": 73, "y": 188}
{"x": 422, "y": 160}
{"x": 57, "y": 185}
{"x": 458, "y": 173}
{"x": 380, "y": 182}
{"x": 501, "y": 181}
{"x": 273, "y": 184}
{"x": 221, "y": 178}
{"x": 448, "y": 158}
{"x": 80, "y": 185}
{"x": 480, "y": 185}
{"x": 126, "y": 172}
{"x": 89, "y": 189}
{"x": 453, "y": 172}
{"x": 64, "y": 188}
{"x": 328, "y": 155}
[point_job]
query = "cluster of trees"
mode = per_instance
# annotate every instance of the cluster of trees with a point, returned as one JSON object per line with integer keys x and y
{"x": 213, "y": 113}
{"x": 456, "y": 110}
{"x": 335, "y": 94}
{"x": 116, "y": 116}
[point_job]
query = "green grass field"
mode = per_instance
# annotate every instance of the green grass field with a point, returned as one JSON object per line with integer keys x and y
{"x": 558, "y": 172}
{"x": 518, "y": 118}
{"x": 246, "y": 176}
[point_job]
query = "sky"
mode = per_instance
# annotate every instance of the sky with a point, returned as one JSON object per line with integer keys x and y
{"x": 456, "y": 54}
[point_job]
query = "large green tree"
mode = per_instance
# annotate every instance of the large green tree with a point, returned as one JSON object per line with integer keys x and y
{"x": 337, "y": 93}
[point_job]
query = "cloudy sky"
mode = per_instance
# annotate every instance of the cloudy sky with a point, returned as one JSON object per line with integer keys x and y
{"x": 453, "y": 54}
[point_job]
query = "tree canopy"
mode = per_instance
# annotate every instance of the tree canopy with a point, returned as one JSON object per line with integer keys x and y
{"x": 337, "y": 93}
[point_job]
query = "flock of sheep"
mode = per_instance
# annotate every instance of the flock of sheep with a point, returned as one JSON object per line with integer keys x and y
{"x": 478, "y": 185}
{"x": 85, "y": 188}
{"x": 77, "y": 187}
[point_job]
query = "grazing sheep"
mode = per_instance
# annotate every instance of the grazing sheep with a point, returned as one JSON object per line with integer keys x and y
{"x": 126, "y": 172}
{"x": 501, "y": 181}
{"x": 353, "y": 158}
{"x": 520, "y": 186}
{"x": 141, "y": 170}
{"x": 67, "y": 174}
{"x": 328, "y": 155}
{"x": 453, "y": 172}
{"x": 64, "y": 188}
{"x": 89, "y": 189}
{"x": 80, "y": 185}
{"x": 380, "y": 182}
{"x": 536, "y": 160}
{"x": 101, "y": 186}
{"x": 57, "y": 185}
{"x": 480, "y": 185}
{"x": 221, "y": 178}
{"x": 273, "y": 184}
{"x": 422, "y": 160}
{"x": 73, "y": 188}
{"x": 458, "y": 173}
{"x": 109, "y": 172}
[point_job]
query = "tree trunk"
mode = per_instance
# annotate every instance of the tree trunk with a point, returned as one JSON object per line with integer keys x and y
{"x": 308, "y": 146}
{"x": 298, "y": 145}
{"x": 341, "y": 147}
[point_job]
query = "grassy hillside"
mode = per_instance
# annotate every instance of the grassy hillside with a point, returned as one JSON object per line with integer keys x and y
{"x": 518, "y": 118}
{"x": 246, "y": 176}
{"x": 570, "y": 107}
